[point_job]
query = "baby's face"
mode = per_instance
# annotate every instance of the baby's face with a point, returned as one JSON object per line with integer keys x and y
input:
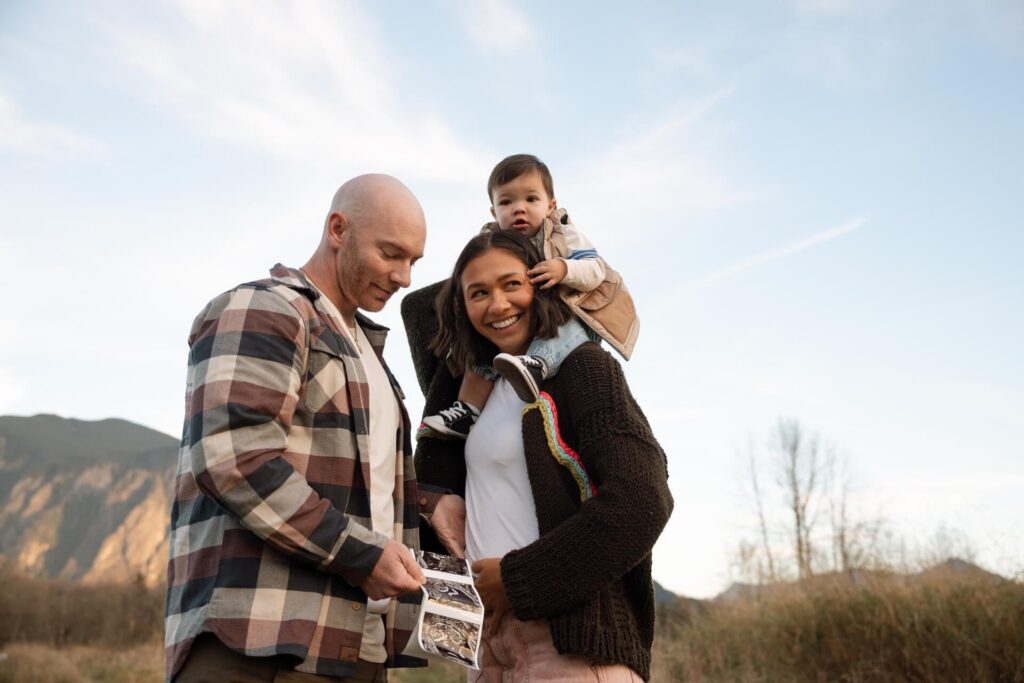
{"x": 521, "y": 204}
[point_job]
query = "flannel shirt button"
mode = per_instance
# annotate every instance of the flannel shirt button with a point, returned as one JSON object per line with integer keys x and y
{"x": 423, "y": 501}
{"x": 356, "y": 607}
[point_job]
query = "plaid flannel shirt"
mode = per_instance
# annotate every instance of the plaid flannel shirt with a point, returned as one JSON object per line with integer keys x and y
{"x": 270, "y": 524}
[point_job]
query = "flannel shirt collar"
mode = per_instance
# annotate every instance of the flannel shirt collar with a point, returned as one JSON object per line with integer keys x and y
{"x": 297, "y": 280}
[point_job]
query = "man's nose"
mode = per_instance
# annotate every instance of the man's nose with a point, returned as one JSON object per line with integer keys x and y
{"x": 402, "y": 275}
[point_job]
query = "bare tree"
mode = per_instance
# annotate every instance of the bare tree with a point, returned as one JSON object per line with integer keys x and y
{"x": 838, "y": 486}
{"x": 798, "y": 476}
{"x": 766, "y": 546}
{"x": 807, "y": 522}
{"x": 855, "y": 539}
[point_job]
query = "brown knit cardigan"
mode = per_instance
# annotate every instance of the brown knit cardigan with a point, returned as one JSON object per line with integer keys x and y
{"x": 589, "y": 573}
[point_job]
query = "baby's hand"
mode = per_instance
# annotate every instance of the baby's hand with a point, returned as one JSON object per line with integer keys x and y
{"x": 548, "y": 273}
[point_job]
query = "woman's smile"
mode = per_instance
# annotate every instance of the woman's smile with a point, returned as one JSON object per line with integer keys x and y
{"x": 502, "y": 324}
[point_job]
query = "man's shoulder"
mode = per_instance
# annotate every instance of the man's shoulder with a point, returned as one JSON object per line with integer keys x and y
{"x": 286, "y": 284}
{"x": 285, "y": 293}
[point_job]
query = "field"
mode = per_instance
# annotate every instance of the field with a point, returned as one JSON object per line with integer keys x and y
{"x": 944, "y": 627}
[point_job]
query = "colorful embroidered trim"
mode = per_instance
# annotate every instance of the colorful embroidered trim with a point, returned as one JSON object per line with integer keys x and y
{"x": 561, "y": 451}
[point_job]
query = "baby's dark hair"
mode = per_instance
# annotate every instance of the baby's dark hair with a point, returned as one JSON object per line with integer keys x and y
{"x": 456, "y": 337}
{"x": 510, "y": 168}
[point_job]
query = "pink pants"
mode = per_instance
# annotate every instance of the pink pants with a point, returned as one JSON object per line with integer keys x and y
{"x": 522, "y": 651}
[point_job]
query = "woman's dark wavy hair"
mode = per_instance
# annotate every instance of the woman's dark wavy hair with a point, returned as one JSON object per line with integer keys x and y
{"x": 456, "y": 337}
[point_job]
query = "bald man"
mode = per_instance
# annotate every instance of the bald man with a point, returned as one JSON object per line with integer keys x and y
{"x": 295, "y": 498}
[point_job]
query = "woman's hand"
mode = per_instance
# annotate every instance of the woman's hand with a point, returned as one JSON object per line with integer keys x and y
{"x": 548, "y": 273}
{"x": 449, "y": 523}
{"x": 492, "y": 590}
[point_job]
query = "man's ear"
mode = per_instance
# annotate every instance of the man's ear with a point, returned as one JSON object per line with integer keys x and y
{"x": 493, "y": 215}
{"x": 337, "y": 225}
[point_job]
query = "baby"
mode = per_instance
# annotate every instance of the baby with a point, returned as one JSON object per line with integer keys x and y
{"x": 523, "y": 198}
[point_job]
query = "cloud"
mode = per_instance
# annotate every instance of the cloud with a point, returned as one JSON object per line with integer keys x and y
{"x": 496, "y": 26}
{"x": 776, "y": 254}
{"x": 864, "y": 44}
{"x": 24, "y": 136}
{"x": 657, "y": 169}
{"x": 308, "y": 82}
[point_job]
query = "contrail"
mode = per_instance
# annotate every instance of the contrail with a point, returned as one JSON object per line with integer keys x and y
{"x": 776, "y": 254}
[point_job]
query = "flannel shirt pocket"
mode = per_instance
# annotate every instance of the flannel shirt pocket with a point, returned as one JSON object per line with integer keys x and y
{"x": 325, "y": 380}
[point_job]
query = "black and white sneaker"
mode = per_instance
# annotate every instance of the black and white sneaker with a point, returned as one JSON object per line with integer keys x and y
{"x": 455, "y": 421}
{"x": 524, "y": 373}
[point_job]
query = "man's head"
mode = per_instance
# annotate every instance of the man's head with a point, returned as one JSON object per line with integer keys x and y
{"x": 373, "y": 234}
{"x": 521, "y": 193}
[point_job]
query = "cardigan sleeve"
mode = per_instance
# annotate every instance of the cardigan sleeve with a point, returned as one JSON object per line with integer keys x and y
{"x": 439, "y": 462}
{"x": 419, "y": 316}
{"x": 616, "y": 529}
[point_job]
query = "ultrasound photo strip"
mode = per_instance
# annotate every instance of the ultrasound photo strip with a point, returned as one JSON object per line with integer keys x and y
{"x": 451, "y": 613}
{"x": 443, "y": 564}
{"x": 453, "y": 595}
{"x": 452, "y": 639}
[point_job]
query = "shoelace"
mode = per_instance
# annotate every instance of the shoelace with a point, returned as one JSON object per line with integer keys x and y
{"x": 454, "y": 413}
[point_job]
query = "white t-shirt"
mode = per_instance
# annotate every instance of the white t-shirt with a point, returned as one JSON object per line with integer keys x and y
{"x": 383, "y": 439}
{"x": 500, "y": 512}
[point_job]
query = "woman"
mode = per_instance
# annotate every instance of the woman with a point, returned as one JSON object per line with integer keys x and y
{"x": 565, "y": 497}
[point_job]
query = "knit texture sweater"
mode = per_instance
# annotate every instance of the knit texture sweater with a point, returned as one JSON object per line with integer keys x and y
{"x": 589, "y": 573}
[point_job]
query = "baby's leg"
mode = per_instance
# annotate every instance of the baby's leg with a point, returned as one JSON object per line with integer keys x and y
{"x": 475, "y": 390}
{"x": 555, "y": 350}
{"x": 541, "y": 361}
{"x": 458, "y": 419}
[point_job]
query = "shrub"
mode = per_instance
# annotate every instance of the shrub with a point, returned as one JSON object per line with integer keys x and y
{"x": 33, "y": 663}
{"x": 939, "y": 629}
{"x": 62, "y": 613}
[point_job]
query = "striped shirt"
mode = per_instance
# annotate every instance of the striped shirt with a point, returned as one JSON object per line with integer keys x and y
{"x": 271, "y": 528}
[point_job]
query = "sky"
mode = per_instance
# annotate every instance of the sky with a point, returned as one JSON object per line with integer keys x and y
{"x": 815, "y": 204}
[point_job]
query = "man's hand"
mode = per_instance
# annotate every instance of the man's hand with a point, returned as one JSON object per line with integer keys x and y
{"x": 394, "y": 574}
{"x": 492, "y": 590}
{"x": 549, "y": 272}
{"x": 449, "y": 523}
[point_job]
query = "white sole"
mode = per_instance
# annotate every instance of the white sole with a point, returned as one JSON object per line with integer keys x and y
{"x": 519, "y": 377}
{"x": 436, "y": 422}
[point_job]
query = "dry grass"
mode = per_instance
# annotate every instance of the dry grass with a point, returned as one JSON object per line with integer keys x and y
{"x": 62, "y": 614}
{"x": 435, "y": 673}
{"x": 941, "y": 628}
{"x": 930, "y": 629}
{"x": 36, "y": 663}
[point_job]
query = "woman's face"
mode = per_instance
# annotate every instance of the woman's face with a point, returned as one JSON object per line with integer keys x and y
{"x": 499, "y": 299}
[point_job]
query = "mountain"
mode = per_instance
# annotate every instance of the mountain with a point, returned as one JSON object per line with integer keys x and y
{"x": 951, "y": 567}
{"x": 662, "y": 594}
{"x": 85, "y": 500}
